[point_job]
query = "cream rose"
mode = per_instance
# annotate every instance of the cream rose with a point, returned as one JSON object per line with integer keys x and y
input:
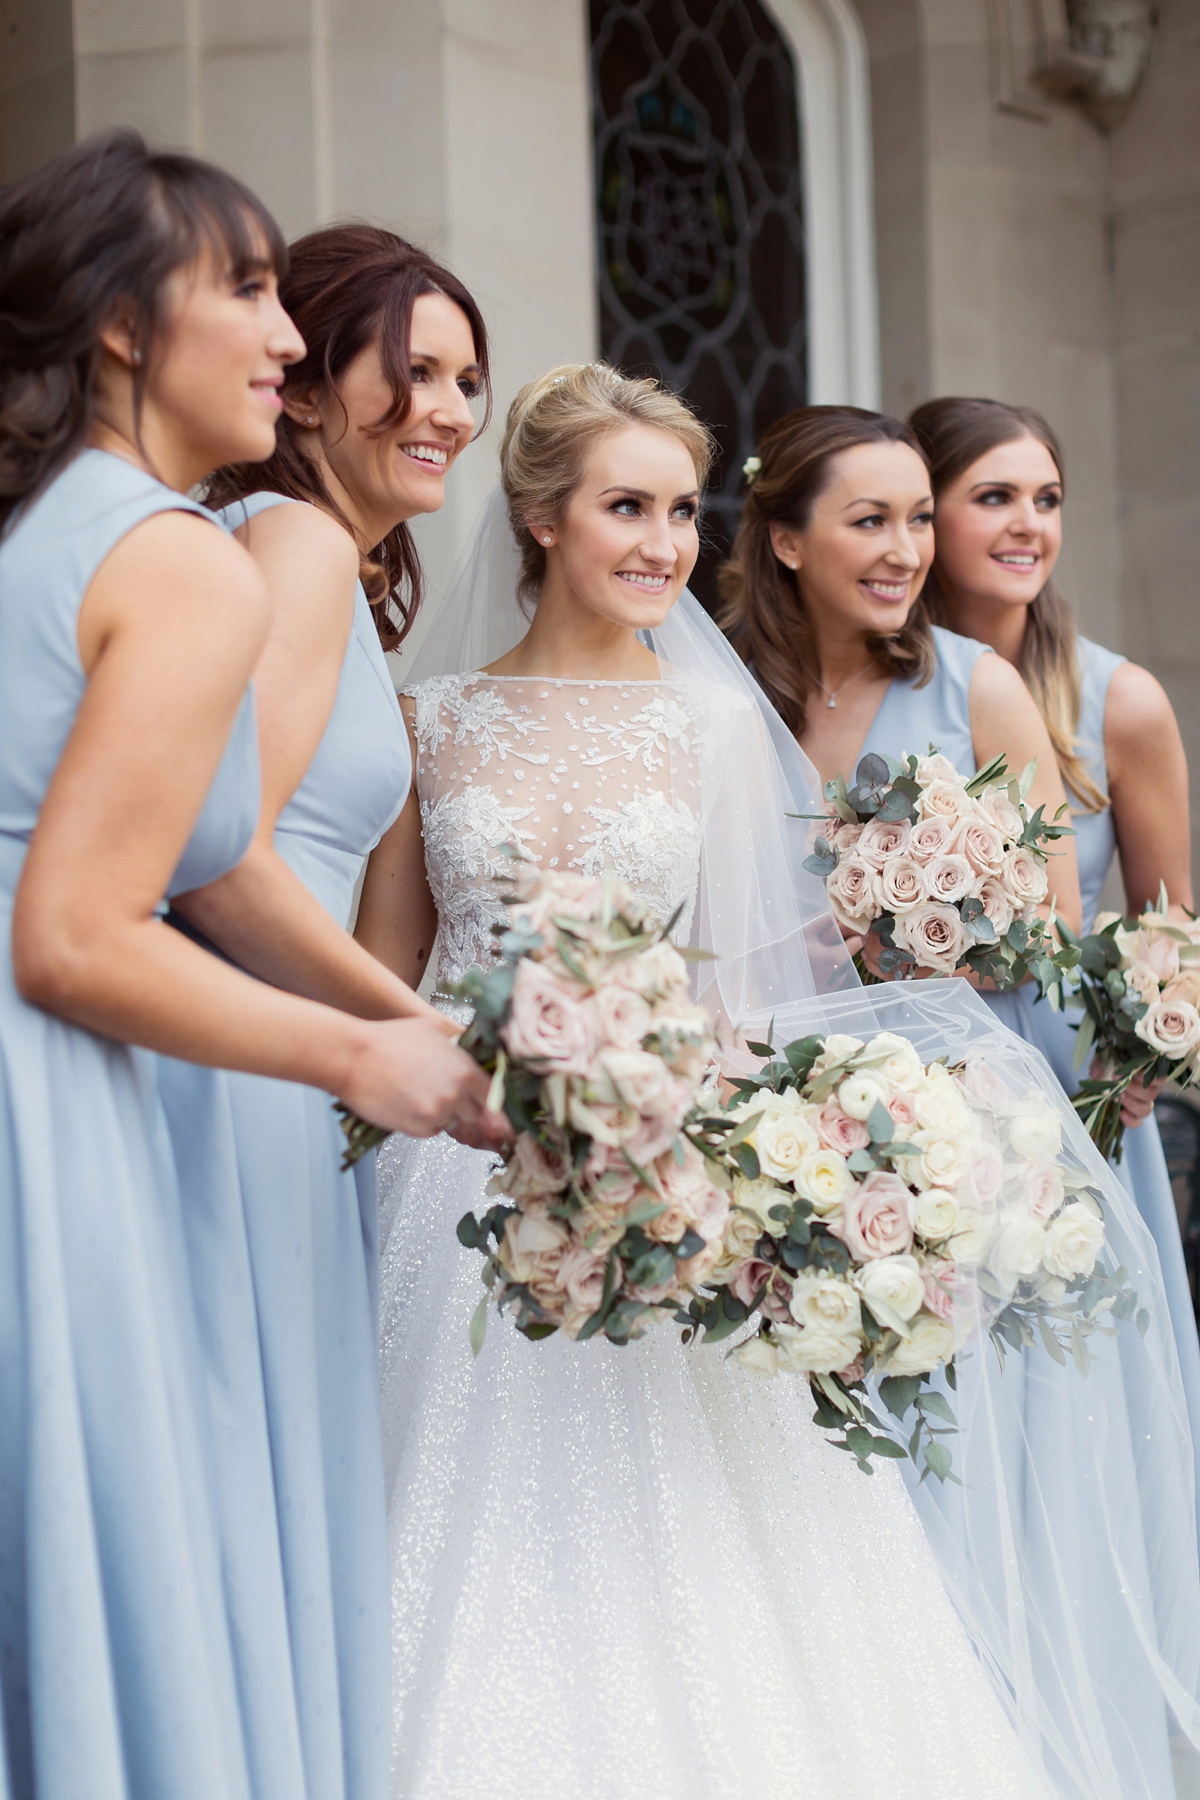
{"x": 621, "y": 1016}
{"x": 533, "y": 1170}
{"x": 947, "y": 800}
{"x": 581, "y": 1274}
{"x": 901, "y": 885}
{"x": 1073, "y": 1242}
{"x": 933, "y": 1214}
{"x": 1141, "y": 981}
{"x": 781, "y": 1142}
{"x": 1157, "y": 949}
{"x": 943, "y": 1159}
{"x": 1186, "y": 986}
{"x": 655, "y": 973}
{"x": 851, "y": 893}
{"x": 950, "y": 878}
{"x": 825, "y": 1302}
{"x": 995, "y": 804}
{"x": 936, "y": 767}
{"x": 930, "y": 837}
{"x": 636, "y": 1079}
{"x": 895, "y": 1281}
{"x": 874, "y": 1218}
{"x": 738, "y": 1242}
{"x": 824, "y": 1180}
{"x": 882, "y": 840}
{"x": 546, "y": 1026}
{"x": 805, "y": 1350}
{"x": 759, "y": 1355}
{"x": 1024, "y": 877}
{"x": 838, "y": 1047}
{"x": 935, "y": 935}
{"x": 1170, "y": 1027}
{"x": 529, "y": 1240}
{"x": 979, "y": 841}
{"x": 972, "y": 1237}
{"x": 997, "y": 905}
{"x": 757, "y": 1198}
{"x": 930, "y": 1342}
{"x": 895, "y": 1058}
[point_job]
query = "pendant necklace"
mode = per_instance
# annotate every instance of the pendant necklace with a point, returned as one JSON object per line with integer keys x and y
{"x": 834, "y": 692}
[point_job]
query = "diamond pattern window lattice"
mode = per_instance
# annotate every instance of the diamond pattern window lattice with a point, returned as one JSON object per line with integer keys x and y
{"x": 699, "y": 208}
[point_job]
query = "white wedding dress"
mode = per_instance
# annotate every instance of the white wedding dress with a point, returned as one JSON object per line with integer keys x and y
{"x": 628, "y": 1573}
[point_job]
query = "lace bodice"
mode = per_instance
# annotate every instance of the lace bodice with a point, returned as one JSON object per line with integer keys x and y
{"x": 583, "y": 775}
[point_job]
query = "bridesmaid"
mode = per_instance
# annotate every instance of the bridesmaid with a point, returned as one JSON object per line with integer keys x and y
{"x": 822, "y": 599}
{"x": 997, "y": 474}
{"x": 141, "y": 344}
{"x": 373, "y": 416}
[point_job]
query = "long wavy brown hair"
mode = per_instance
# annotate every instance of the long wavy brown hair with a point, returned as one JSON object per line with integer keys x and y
{"x": 89, "y": 238}
{"x": 954, "y": 433}
{"x": 764, "y": 607}
{"x": 346, "y": 287}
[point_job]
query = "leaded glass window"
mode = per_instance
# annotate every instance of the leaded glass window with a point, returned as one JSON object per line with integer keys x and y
{"x": 700, "y": 220}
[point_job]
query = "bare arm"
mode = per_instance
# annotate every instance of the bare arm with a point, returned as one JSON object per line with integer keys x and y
{"x": 397, "y": 918}
{"x": 1148, "y": 787}
{"x": 1005, "y": 720}
{"x": 169, "y": 631}
{"x": 260, "y": 913}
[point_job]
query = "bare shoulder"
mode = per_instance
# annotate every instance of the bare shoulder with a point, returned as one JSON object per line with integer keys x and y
{"x": 1136, "y": 707}
{"x": 995, "y": 683}
{"x": 300, "y": 530}
{"x": 192, "y": 555}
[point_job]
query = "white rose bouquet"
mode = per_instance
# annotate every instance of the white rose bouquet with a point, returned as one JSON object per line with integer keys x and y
{"x": 948, "y": 872}
{"x": 1139, "y": 983}
{"x": 882, "y": 1213}
{"x": 606, "y": 1217}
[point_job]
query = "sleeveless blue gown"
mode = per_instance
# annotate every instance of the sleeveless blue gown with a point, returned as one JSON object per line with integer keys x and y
{"x": 302, "y": 1438}
{"x": 911, "y": 718}
{"x": 117, "y": 1680}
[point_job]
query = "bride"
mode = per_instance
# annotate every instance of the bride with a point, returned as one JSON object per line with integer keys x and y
{"x": 641, "y": 1573}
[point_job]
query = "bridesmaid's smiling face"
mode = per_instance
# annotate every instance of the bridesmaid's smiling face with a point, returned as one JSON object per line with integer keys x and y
{"x": 862, "y": 558}
{"x": 999, "y": 525}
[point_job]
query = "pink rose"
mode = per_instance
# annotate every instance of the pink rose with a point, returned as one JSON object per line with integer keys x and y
{"x": 882, "y": 839}
{"x": 777, "y": 1301}
{"x": 981, "y": 1084}
{"x": 985, "y": 1175}
{"x": 930, "y": 838}
{"x": 851, "y": 892}
{"x": 941, "y": 1280}
{"x": 997, "y": 905}
{"x": 1024, "y": 877}
{"x": 837, "y": 1131}
{"x": 902, "y": 884}
{"x": 653, "y": 1136}
{"x": 994, "y": 801}
{"x": 750, "y": 1278}
{"x": 621, "y": 1017}
{"x": 842, "y": 832}
{"x": 982, "y": 845}
{"x": 1160, "y": 953}
{"x": 1044, "y": 1190}
{"x": 949, "y": 878}
{"x": 947, "y": 800}
{"x": 546, "y": 1026}
{"x": 903, "y": 1108}
{"x": 874, "y": 1219}
{"x": 581, "y": 1274}
{"x": 935, "y": 934}
{"x": 853, "y": 1371}
{"x": 534, "y": 1171}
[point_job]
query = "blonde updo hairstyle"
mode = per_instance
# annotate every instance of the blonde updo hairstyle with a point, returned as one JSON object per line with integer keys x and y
{"x": 552, "y": 426}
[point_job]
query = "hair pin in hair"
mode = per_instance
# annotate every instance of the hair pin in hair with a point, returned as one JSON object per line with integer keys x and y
{"x": 751, "y": 469}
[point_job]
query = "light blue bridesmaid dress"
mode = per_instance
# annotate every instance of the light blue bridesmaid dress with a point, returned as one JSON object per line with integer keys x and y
{"x": 910, "y": 718}
{"x": 302, "y": 1441}
{"x": 117, "y": 1679}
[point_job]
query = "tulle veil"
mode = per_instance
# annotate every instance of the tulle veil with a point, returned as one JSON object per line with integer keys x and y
{"x": 1070, "y": 1547}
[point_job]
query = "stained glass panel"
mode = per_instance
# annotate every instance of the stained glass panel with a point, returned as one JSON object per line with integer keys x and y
{"x": 700, "y": 220}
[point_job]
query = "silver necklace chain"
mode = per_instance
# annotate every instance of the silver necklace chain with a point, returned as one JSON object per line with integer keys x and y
{"x": 834, "y": 692}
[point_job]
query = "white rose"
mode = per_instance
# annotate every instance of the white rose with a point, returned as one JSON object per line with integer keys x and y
{"x": 636, "y": 1079}
{"x": 1017, "y": 1248}
{"x": 823, "y": 1179}
{"x": 825, "y": 1302}
{"x": 839, "y": 1047}
{"x": 895, "y": 1059}
{"x": 943, "y": 1160}
{"x": 759, "y": 1355}
{"x": 1073, "y": 1242}
{"x": 782, "y": 1141}
{"x": 945, "y": 799}
{"x": 972, "y": 1238}
{"x": 936, "y": 767}
{"x": 895, "y": 1280}
{"x": 1024, "y": 876}
{"x": 940, "y": 1108}
{"x": 1034, "y": 1129}
{"x": 935, "y": 935}
{"x": 809, "y": 1350}
{"x": 933, "y": 1215}
{"x": 860, "y": 1094}
{"x": 995, "y": 803}
{"x": 757, "y": 1198}
{"x": 1170, "y": 1027}
{"x": 931, "y": 1341}
{"x": 741, "y": 1234}
{"x": 1141, "y": 980}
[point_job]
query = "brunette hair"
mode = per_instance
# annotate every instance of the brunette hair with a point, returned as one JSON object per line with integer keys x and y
{"x": 955, "y": 433}
{"x": 88, "y": 238}
{"x": 764, "y": 608}
{"x": 346, "y": 287}
{"x": 553, "y": 423}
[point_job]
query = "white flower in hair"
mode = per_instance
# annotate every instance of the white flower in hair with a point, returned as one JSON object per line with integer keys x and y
{"x": 751, "y": 468}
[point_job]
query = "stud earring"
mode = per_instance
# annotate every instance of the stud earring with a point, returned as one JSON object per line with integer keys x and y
{"x": 136, "y": 357}
{"x": 310, "y": 420}
{"x": 545, "y": 540}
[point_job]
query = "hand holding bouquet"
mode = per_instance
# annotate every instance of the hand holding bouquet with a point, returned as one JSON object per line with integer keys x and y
{"x": 948, "y": 872}
{"x": 1139, "y": 980}
{"x": 606, "y": 1217}
{"x": 884, "y": 1212}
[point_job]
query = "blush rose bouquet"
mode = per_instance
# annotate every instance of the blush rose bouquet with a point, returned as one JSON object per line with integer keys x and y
{"x": 947, "y": 871}
{"x": 1138, "y": 981}
{"x": 605, "y": 1218}
{"x": 883, "y": 1212}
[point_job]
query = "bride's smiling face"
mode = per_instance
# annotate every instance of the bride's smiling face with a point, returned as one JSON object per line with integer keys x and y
{"x": 627, "y": 540}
